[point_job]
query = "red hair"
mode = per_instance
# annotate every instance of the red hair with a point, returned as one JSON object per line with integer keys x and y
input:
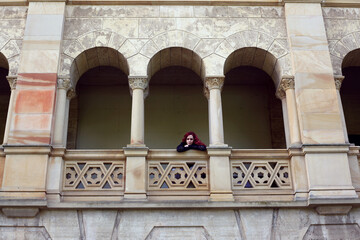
{"x": 196, "y": 139}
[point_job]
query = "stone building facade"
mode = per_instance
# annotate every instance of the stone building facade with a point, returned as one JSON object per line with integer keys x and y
{"x": 95, "y": 96}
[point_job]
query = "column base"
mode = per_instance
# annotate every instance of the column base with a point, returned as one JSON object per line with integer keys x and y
{"x": 332, "y": 194}
{"x": 221, "y": 197}
{"x": 135, "y": 197}
{"x": 301, "y": 196}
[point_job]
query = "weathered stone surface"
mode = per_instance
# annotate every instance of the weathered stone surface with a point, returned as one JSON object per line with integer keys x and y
{"x": 275, "y": 27}
{"x": 30, "y": 233}
{"x": 75, "y": 27}
{"x": 211, "y": 11}
{"x": 126, "y": 27}
{"x": 112, "y": 11}
{"x": 150, "y": 27}
{"x": 201, "y": 27}
{"x": 207, "y": 46}
{"x": 61, "y": 224}
{"x": 345, "y": 13}
{"x": 99, "y": 224}
{"x": 20, "y": 212}
{"x": 338, "y": 28}
{"x": 219, "y": 224}
{"x": 13, "y": 27}
{"x": 176, "y": 11}
{"x": 225, "y": 27}
{"x": 13, "y": 12}
{"x": 185, "y": 232}
{"x": 333, "y": 231}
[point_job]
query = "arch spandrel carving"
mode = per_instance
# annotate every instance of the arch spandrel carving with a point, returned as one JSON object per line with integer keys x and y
{"x": 341, "y": 52}
{"x": 92, "y": 49}
{"x": 9, "y": 54}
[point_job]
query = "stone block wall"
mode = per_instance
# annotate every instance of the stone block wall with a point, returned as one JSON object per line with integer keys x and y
{"x": 257, "y": 223}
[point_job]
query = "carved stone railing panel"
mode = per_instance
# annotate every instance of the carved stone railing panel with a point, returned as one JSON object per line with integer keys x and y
{"x": 178, "y": 175}
{"x": 261, "y": 174}
{"x": 94, "y": 175}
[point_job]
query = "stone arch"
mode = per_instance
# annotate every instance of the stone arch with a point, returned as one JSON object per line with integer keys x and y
{"x": 3, "y": 61}
{"x": 252, "y": 48}
{"x": 91, "y": 40}
{"x": 10, "y": 52}
{"x": 339, "y": 51}
{"x": 176, "y": 56}
{"x": 95, "y": 57}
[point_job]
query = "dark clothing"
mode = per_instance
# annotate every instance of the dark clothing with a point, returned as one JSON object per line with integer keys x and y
{"x": 182, "y": 148}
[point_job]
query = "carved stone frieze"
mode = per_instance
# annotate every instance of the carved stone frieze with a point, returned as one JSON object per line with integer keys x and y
{"x": 12, "y": 81}
{"x": 338, "y": 81}
{"x": 214, "y": 82}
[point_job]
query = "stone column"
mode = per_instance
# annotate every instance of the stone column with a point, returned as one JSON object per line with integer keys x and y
{"x": 137, "y": 87}
{"x": 136, "y": 151}
{"x": 216, "y": 129}
{"x": 287, "y": 88}
{"x": 12, "y": 82}
{"x": 338, "y": 82}
{"x": 63, "y": 85}
{"x": 218, "y": 151}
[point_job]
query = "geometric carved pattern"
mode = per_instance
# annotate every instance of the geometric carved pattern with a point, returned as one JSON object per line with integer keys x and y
{"x": 93, "y": 175}
{"x": 261, "y": 174}
{"x": 178, "y": 175}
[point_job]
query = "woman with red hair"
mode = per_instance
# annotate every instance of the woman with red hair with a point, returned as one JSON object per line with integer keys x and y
{"x": 190, "y": 141}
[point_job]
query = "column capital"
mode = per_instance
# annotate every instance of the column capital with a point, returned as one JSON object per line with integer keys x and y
{"x": 214, "y": 82}
{"x": 63, "y": 83}
{"x": 138, "y": 82}
{"x": 71, "y": 93}
{"x": 287, "y": 82}
{"x": 12, "y": 81}
{"x": 338, "y": 81}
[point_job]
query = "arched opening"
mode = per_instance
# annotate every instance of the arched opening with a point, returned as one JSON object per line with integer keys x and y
{"x": 253, "y": 116}
{"x": 350, "y": 96}
{"x": 99, "y": 115}
{"x": 176, "y": 103}
{"x": 5, "y": 92}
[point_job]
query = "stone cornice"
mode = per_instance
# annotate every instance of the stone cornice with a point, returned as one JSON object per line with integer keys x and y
{"x": 324, "y": 3}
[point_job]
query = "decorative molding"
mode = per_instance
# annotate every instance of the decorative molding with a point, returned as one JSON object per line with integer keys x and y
{"x": 12, "y": 81}
{"x": 214, "y": 82}
{"x": 287, "y": 82}
{"x": 338, "y": 81}
{"x": 63, "y": 83}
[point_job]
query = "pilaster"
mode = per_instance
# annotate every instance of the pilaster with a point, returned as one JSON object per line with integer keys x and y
{"x": 220, "y": 179}
{"x": 287, "y": 89}
{"x": 135, "y": 184}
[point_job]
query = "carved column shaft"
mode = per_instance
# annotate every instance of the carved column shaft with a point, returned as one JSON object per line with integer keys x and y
{"x": 63, "y": 85}
{"x": 137, "y": 87}
{"x": 12, "y": 82}
{"x": 338, "y": 82}
{"x": 216, "y": 129}
{"x": 287, "y": 88}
